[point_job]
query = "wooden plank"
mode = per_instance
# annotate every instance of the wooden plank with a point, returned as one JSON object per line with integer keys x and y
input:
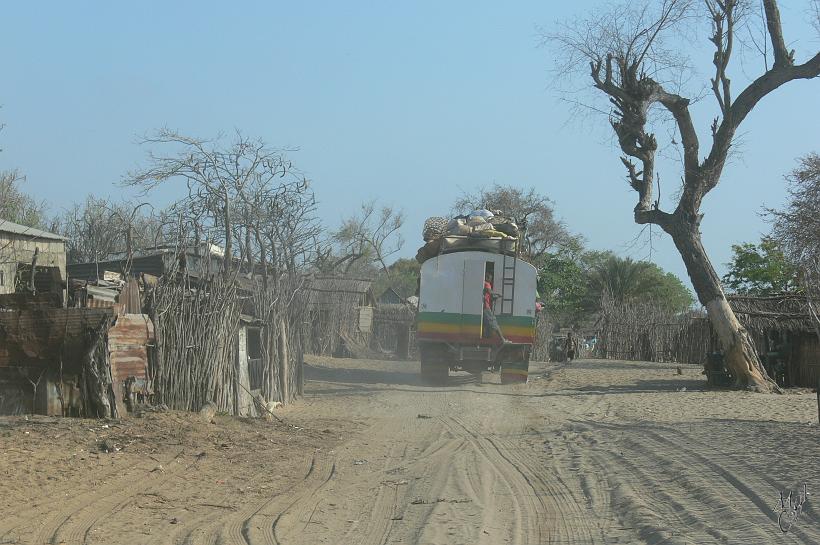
{"x": 365, "y": 319}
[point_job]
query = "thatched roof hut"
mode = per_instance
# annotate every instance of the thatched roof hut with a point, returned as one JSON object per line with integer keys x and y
{"x": 395, "y": 313}
{"x": 394, "y": 330}
{"x": 340, "y": 313}
{"x": 329, "y": 290}
{"x": 390, "y": 297}
{"x": 783, "y": 328}
{"x": 783, "y": 312}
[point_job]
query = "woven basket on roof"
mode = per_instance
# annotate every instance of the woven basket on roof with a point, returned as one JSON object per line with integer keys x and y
{"x": 434, "y": 228}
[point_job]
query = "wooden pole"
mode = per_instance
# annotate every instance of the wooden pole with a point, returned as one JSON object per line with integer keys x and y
{"x": 32, "y": 288}
{"x": 285, "y": 363}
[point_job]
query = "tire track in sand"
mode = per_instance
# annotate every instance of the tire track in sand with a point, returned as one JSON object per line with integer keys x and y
{"x": 526, "y": 527}
{"x": 74, "y": 524}
{"x": 563, "y": 518}
{"x": 256, "y": 523}
{"x": 47, "y": 511}
{"x": 379, "y": 487}
{"x": 715, "y": 483}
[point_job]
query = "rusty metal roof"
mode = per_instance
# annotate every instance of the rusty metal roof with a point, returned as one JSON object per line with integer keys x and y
{"x": 339, "y": 284}
{"x": 44, "y": 337}
{"x": 31, "y": 232}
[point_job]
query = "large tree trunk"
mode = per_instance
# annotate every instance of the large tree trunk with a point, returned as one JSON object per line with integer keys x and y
{"x": 739, "y": 350}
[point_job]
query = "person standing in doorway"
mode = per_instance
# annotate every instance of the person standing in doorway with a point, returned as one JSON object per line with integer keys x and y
{"x": 490, "y": 322}
{"x": 571, "y": 346}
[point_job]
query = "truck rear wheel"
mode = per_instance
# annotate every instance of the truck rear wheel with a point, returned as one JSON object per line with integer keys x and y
{"x": 434, "y": 372}
{"x": 434, "y": 367}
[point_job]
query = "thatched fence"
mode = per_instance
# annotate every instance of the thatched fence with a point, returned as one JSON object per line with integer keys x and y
{"x": 339, "y": 312}
{"x": 282, "y": 310}
{"x": 197, "y": 354}
{"x": 646, "y": 332}
{"x": 783, "y": 327}
{"x": 394, "y": 331}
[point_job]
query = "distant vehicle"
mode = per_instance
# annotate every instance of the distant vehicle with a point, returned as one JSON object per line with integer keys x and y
{"x": 451, "y": 331}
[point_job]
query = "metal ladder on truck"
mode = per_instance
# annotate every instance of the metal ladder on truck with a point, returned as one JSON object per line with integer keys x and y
{"x": 508, "y": 279}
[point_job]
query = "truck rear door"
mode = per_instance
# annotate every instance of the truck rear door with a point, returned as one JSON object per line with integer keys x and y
{"x": 472, "y": 304}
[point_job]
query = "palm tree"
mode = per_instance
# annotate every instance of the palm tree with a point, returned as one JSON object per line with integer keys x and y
{"x": 622, "y": 279}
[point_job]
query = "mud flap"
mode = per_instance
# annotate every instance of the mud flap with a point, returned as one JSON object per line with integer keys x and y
{"x": 513, "y": 372}
{"x": 514, "y": 360}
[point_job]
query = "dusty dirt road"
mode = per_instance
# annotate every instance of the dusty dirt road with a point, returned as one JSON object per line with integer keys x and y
{"x": 592, "y": 452}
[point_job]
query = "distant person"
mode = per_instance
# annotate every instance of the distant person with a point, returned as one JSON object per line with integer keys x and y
{"x": 490, "y": 323}
{"x": 571, "y": 346}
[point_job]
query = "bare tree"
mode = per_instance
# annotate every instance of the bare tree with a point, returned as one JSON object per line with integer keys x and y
{"x": 365, "y": 239}
{"x": 797, "y": 228}
{"x": 99, "y": 229}
{"x": 633, "y": 61}
{"x": 16, "y": 205}
{"x": 544, "y": 232}
{"x": 244, "y": 196}
{"x": 281, "y": 227}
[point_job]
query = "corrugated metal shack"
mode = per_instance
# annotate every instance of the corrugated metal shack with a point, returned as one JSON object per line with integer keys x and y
{"x": 56, "y": 360}
{"x": 340, "y": 313}
{"x": 47, "y": 354}
{"x": 194, "y": 263}
{"x": 91, "y": 359}
{"x": 179, "y": 280}
{"x": 48, "y": 359}
{"x": 18, "y": 245}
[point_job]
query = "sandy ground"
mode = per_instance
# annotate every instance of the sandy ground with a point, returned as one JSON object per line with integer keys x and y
{"x": 592, "y": 452}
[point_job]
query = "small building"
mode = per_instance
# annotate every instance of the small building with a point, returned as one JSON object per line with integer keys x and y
{"x": 244, "y": 354}
{"x": 394, "y": 330}
{"x": 195, "y": 263}
{"x": 390, "y": 297}
{"x": 783, "y": 331}
{"x": 340, "y": 311}
{"x": 70, "y": 361}
{"x": 18, "y": 246}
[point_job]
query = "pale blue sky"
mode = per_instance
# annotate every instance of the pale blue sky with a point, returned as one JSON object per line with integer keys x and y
{"x": 408, "y": 103}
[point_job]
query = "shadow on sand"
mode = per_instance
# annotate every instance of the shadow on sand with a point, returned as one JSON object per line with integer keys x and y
{"x": 405, "y": 377}
{"x": 405, "y": 374}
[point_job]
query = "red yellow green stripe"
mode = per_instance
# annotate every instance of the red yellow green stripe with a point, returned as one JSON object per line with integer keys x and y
{"x": 452, "y": 327}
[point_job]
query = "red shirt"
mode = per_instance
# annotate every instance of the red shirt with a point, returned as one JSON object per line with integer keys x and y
{"x": 488, "y": 295}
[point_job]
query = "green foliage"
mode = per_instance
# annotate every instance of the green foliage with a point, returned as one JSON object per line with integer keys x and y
{"x": 760, "y": 269}
{"x": 670, "y": 291}
{"x": 402, "y": 276}
{"x": 562, "y": 286}
{"x": 623, "y": 280}
{"x": 572, "y": 285}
